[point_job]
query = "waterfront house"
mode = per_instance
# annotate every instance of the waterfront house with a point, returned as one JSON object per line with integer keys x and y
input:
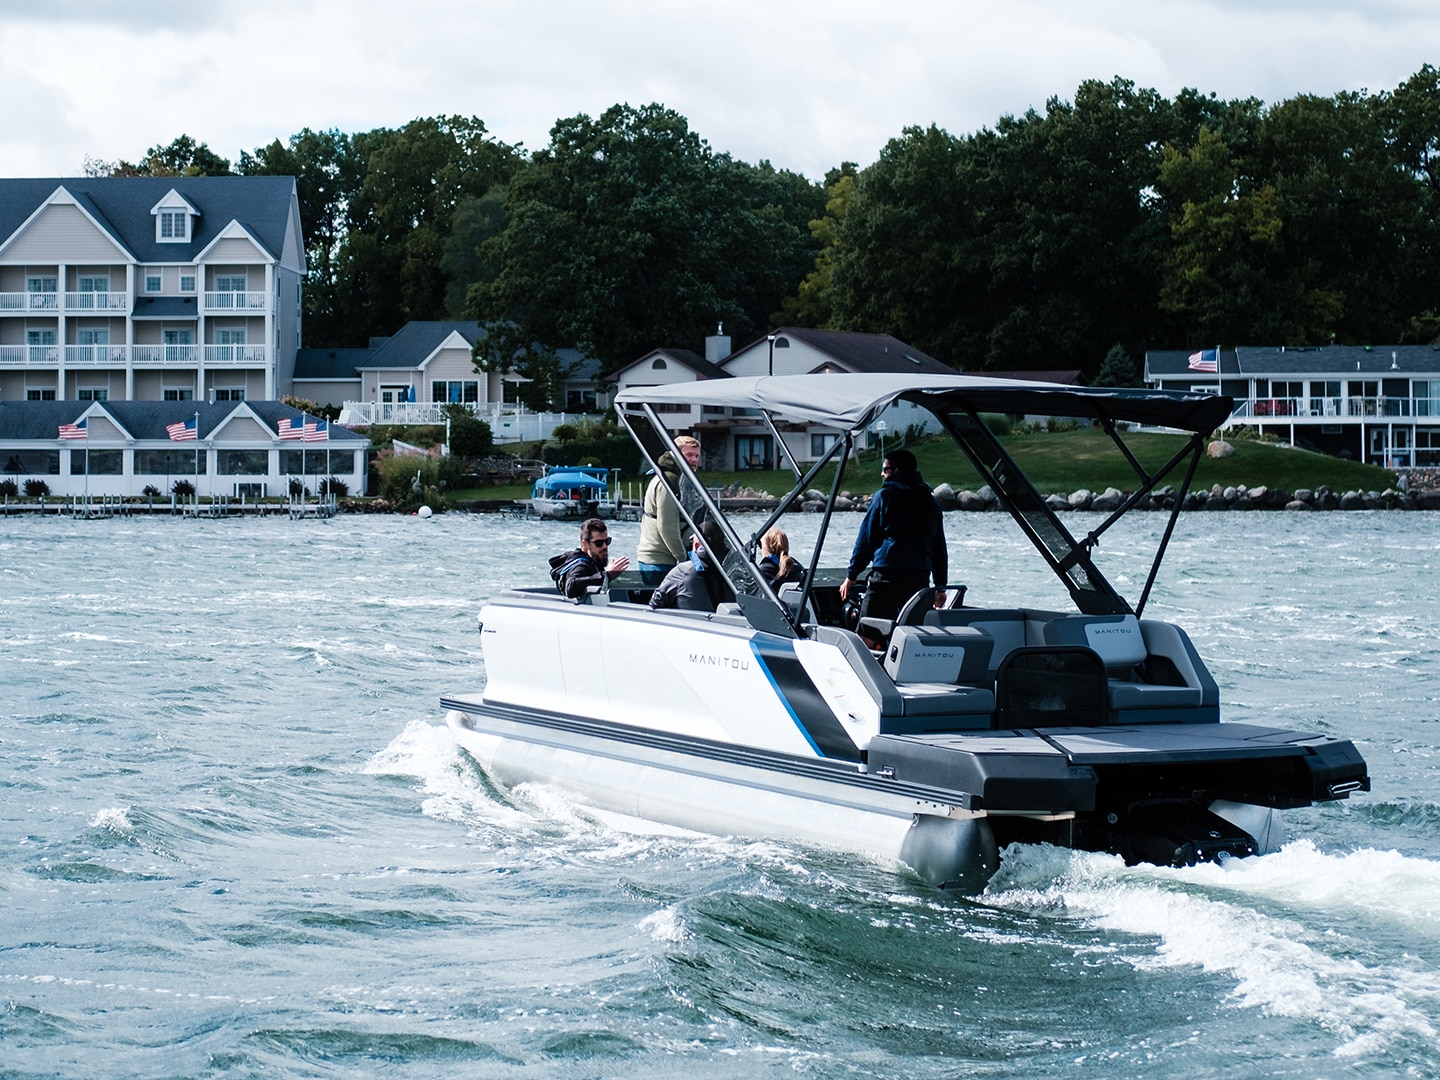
{"x": 1378, "y": 404}
{"x": 149, "y": 288}
{"x": 248, "y": 449}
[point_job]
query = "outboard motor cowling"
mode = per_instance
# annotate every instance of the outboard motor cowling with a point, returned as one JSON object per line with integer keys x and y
{"x": 1180, "y": 833}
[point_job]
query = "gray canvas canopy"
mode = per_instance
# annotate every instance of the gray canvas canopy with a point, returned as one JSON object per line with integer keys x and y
{"x": 852, "y": 402}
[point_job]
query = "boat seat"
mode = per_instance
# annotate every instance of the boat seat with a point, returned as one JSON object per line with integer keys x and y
{"x": 912, "y": 613}
{"x": 1007, "y": 628}
{"x": 910, "y": 707}
{"x": 1134, "y": 689}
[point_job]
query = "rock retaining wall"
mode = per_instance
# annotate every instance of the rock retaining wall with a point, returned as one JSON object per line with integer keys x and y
{"x": 1215, "y": 498}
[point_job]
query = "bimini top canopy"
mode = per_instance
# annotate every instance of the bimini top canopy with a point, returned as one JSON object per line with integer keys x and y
{"x": 852, "y": 402}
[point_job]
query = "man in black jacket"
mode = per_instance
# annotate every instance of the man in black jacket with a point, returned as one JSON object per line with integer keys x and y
{"x": 903, "y": 535}
{"x": 589, "y": 565}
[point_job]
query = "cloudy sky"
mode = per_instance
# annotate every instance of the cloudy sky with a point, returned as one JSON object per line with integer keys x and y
{"x": 804, "y": 83}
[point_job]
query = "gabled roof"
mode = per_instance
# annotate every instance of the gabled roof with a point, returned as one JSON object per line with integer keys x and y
{"x": 861, "y": 353}
{"x": 1071, "y": 377}
{"x": 122, "y": 205}
{"x": 702, "y": 368}
{"x": 22, "y": 421}
{"x": 330, "y": 363}
{"x": 417, "y": 341}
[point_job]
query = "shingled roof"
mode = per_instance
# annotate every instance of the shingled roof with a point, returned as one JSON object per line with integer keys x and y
{"x": 121, "y": 205}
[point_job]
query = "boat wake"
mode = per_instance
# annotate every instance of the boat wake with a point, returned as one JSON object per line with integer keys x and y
{"x": 1335, "y": 939}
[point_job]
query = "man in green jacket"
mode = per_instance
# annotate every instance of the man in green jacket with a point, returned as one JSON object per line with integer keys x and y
{"x": 664, "y": 532}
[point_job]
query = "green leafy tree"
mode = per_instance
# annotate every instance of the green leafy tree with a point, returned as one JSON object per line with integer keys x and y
{"x": 182, "y": 157}
{"x": 506, "y": 348}
{"x": 627, "y": 232}
{"x": 470, "y": 437}
{"x": 476, "y": 221}
{"x": 811, "y": 304}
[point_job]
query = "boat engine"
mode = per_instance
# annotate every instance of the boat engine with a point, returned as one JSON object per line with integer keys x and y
{"x": 1178, "y": 832}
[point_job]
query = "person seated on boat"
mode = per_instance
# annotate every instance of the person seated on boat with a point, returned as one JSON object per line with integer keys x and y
{"x": 903, "y": 537}
{"x": 664, "y": 532}
{"x": 697, "y": 584}
{"x": 776, "y": 566}
{"x": 589, "y": 566}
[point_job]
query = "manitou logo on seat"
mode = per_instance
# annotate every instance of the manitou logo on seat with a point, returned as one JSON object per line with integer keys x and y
{"x": 708, "y": 660}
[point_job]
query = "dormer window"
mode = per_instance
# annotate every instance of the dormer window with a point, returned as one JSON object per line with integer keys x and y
{"x": 174, "y": 225}
{"x": 174, "y": 219}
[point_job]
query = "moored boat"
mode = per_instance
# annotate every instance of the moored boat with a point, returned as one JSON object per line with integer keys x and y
{"x": 574, "y": 491}
{"x": 972, "y": 728}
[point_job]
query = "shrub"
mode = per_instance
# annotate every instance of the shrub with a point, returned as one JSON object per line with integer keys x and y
{"x": 36, "y": 489}
{"x": 183, "y": 488}
{"x": 414, "y": 479}
{"x": 470, "y": 437}
{"x": 334, "y": 486}
{"x": 150, "y": 491}
{"x": 564, "y": 433}
{"x": 297, "y": 488}
{"x": 998, "y": 423}
{"x": 8, "y": 488}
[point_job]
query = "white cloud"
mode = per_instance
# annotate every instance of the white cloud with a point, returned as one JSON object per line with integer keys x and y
{"x": 805, "y": 84}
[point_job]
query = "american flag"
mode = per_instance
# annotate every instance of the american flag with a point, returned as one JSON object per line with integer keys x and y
{"x": 1205, "y": 360}
{"x": 181, "y": 432}
{"x": 319, "y": 431}
{"x": 293, "y": 429}
{"x": 74, "y": 431}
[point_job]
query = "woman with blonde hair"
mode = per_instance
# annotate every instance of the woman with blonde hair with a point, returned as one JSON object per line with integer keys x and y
{"x": 776, "y": 566}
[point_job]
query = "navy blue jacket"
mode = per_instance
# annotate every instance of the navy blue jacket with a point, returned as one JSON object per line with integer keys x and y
{"x": 574, "y": 572}
{"x": 903, "y": 531}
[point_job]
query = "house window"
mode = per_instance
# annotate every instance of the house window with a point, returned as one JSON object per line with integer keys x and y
{"x": 39, "y": 395}
{"x": 40, "y": 284}
{"x": 93, "y": 393}
{"x": 230, "y": 393}
{"x": 183, "y": 393}
{"x": 168, "y": 462}
{"x": 581, "y": 401}
{"x": 187, "y": 282}
{"x": 242, "y": 462}
{"x": 174, "y": 226}
{"x": 152, "y": 283}
{"x": 1427, "y": 397}
{"x": 92, "y": 337}
{"x": 100, "y": 462}
{"x": 820, "y": 444}
{"x": 93, "y": 283}
{"x": 1324, "y": 398}
{"x": 659, "y": 364}
{"x": 229, "y": 282}
{"x": 455, "y": 392}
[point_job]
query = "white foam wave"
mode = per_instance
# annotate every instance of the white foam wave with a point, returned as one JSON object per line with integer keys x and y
{"x": 1287, "y": 928}
{"x": 428, "y": 753}
{"x": 666, "y": 925}
{"x": 114, "y": 819}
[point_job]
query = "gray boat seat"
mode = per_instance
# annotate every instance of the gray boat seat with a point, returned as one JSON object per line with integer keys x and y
{"x": 1121, "y": 645}
{"x": 1005, "y": 626}
{"x": 911, "y": 707}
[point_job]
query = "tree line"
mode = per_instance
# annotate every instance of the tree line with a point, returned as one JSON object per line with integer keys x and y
{"x": 1076, "y": 237}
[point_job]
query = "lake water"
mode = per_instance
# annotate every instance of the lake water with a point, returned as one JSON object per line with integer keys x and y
{"x": 236, "y": 839}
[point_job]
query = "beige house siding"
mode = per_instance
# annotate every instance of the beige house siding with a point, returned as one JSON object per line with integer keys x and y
{"x": 235, "y": 249}
{"x": 62, "y": 234}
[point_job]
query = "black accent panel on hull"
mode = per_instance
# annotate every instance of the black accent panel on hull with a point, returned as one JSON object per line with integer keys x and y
{"x": 806, "y": 701}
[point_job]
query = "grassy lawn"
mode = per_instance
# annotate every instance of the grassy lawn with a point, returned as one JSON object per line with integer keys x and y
{"x": 1066, "y": 461}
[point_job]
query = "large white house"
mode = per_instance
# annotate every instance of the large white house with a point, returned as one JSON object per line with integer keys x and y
{"x": 149, "y": 288}
{"x": 1378, "y": 404}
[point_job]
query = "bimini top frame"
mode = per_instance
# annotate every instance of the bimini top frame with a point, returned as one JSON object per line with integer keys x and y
{"x": 852, "y": 402}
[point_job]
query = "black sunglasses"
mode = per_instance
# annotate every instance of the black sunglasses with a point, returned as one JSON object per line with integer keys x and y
{"x": 603, "y": 541}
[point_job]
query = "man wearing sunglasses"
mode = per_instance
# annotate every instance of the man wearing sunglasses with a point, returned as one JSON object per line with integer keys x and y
{"x": 589, "y": 565}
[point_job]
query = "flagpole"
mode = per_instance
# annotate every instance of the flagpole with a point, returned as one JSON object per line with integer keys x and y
{"x": 197, "y": 461}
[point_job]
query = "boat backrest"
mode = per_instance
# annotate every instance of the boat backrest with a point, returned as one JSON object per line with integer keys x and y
{"x": 1116, "y": 638}
{"x": 938, "y": 654}
{"x": 1008, "y": 628}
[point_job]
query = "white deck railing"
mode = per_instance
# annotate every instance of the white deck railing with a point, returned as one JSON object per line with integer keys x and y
{"x": 236, "y": 301}
{"x": 508, "y": 423}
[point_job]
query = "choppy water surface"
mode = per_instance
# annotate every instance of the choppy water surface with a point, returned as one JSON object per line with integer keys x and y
{"x": 236, "y": 839}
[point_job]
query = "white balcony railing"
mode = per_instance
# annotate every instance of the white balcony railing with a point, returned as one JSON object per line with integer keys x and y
{"x": 508, "y": 423}
{"x": 97, "y": 354}
{"x": 1328, "y": 408}
{"x": 253, "y": 355}
{"x": 29, "y": 301}
{"x": 166, "y": 355}
{"x": 236, "y": 301}
{"x": 30, "y": 355}
{"x": 97, "y": 301}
